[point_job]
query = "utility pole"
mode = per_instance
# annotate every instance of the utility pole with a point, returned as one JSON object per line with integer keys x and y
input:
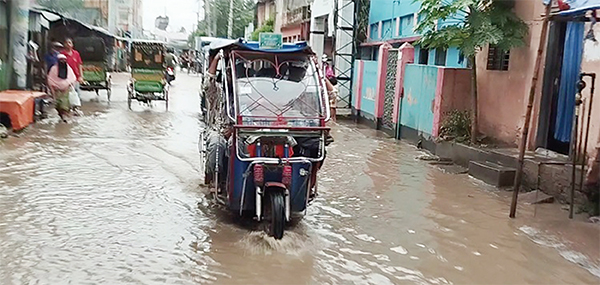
{"x": 230, "y": 20}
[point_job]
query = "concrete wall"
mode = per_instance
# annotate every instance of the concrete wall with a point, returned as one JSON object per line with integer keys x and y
{"x": 591, "y": 64}
{"x": 424, "y": 93}
{"x": 321, "y": 8}
{"x": 453, "y": 92}
{"x": 503, "y": 94}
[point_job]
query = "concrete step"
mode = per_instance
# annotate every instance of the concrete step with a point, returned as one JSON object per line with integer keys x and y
{"x": 492, "y": 173}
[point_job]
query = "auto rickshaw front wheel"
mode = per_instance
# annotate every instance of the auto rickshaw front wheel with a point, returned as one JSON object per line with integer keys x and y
{"x": 277, "y": 214}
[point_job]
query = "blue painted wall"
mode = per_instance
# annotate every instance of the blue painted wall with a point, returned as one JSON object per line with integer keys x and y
{"x": 369, "y": 87}
{"x": 387, "y": 12}
{"x": 420, "y": 84}
{"x": 388, "y": 9}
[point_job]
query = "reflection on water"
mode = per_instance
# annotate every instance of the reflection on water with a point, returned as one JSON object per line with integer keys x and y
{"x": 113, "y": 198}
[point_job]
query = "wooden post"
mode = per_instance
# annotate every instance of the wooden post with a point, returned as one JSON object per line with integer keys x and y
{"x": 525, "y": 128}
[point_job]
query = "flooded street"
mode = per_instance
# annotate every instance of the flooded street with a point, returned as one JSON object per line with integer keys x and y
{"x": 114, "y": 198}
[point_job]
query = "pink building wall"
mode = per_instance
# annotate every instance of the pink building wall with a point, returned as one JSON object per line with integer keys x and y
{"x": 503, "y": 95}
{"x": 453, "y": 93}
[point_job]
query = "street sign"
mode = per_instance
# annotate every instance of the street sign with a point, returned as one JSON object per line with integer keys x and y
{"x": 270, "y": 41}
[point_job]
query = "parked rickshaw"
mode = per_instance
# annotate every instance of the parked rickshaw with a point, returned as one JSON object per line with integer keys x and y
{"x": 95, "y": 65}
{"x": 148, "y": 69}
{"x": 265, "y": 135}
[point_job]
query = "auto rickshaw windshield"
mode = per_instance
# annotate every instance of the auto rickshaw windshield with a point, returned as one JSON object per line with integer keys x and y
{"x": 277, "y": 85}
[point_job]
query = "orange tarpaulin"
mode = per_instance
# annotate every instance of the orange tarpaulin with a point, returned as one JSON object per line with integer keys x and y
{"x": 20, "y": 106}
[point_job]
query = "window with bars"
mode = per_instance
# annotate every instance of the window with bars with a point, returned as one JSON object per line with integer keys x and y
{"x": 497, "y": 59}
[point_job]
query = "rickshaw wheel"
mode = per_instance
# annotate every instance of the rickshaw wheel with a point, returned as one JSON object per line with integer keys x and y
{"x": 277, "y": 214}
{"x": 129, "y": 101}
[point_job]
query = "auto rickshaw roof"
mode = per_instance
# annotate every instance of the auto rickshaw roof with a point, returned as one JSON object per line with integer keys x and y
{"x": 240, "y": 44}
{"x": 146, "y": 42}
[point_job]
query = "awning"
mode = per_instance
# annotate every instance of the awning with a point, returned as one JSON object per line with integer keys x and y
{"x": 576, "y": 7}
{"x": 52, "y": 16}
{"x": 37, "y": 21}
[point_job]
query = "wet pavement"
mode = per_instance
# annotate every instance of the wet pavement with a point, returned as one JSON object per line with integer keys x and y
{"x": 113, "y": 197}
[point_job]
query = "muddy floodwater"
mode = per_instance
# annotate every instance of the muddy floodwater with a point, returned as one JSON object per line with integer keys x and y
{"x": 113, "y": 197}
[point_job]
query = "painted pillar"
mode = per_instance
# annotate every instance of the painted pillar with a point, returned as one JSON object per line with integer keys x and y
{"x": 18, "y": 27}
{"x": 406, "y": 55}
{"x": 358, "y": 84}
{"x": 437, "y": 103}
{"x": 381, "y": 74}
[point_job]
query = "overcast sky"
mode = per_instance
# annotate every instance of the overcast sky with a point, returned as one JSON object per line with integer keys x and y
{"x": 182, "y": 13}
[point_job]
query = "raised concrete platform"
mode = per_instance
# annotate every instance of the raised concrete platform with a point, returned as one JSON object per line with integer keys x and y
{"x": 492, "y": 173}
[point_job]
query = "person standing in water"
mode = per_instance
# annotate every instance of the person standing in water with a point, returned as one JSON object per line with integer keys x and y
{"x": 75, "y": 62}
{"x": 50, "y": 58}
{"x": 61, "y": 79}
{"x": 327, "y": 68}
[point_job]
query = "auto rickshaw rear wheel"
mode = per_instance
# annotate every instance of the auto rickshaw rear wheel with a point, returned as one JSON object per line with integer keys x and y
{"x": 277, "y": 214}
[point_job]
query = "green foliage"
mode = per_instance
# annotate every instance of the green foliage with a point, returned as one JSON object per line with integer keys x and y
{"x": 470, "y": 25}
{"x": 197, "y": 33}
{"x": 456, "y": 126}
{"x": 243, "y": 14}
{"x": 267, "y": 27}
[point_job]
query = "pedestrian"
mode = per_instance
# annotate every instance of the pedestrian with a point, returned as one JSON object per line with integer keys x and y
{"x": 50, "y": 59}
{"x": 170, "y": 59}
{"x": 332, "y": 91}
{"x": 75, "y": 62}
{"x": 327, "y": 68}
{"x": 61, "y": 81}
